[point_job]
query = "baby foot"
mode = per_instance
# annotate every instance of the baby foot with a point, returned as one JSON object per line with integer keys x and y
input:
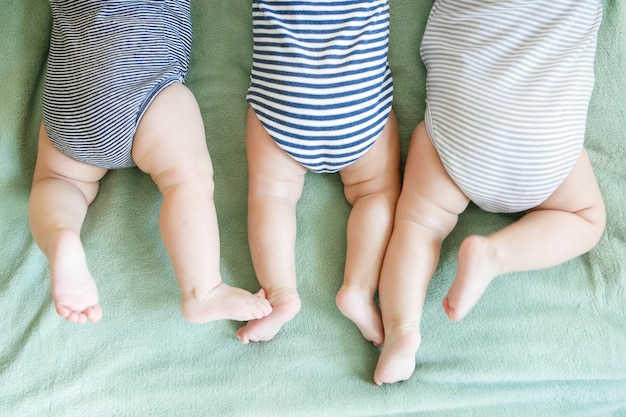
{"x": 73, "y": 288}
{"x": 477, "y": 268}
{"x": 224, "y": 302}
{"x": 362, "y": 310}
{"x": 285, "y": 305}
{"x": 397, "y": 358}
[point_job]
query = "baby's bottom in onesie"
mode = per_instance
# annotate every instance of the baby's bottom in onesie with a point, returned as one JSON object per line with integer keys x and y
{"x": 107, "y": 62}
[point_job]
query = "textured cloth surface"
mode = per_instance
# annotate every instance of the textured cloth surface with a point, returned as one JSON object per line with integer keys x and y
{"x": 543, "y": 343}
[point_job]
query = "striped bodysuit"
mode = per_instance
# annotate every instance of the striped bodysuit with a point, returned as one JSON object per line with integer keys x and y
{"x": 508, "y": 89}
{"x": 320, "y": 82}
{"x": 108, "y": 59}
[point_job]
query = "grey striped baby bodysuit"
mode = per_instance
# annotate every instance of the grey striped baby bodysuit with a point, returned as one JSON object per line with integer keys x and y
{"x": 508, "y": 89}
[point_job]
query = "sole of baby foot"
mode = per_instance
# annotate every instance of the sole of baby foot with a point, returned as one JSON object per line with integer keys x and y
{"x": 224, "y": 302}
{"x": 264, "y": 329}
{"x": 397, "y": 358}
{"x": 74, "y": 291}
{"x": 477, "y": 269}
{"x": 71, "y": 307}
{"x": 360, "y": 307}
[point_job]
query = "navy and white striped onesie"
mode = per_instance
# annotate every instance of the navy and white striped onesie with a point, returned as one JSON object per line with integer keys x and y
{"x": 320, "y": 81}
{"x": 108, "y": 59}
{"x": 508, "y": 89}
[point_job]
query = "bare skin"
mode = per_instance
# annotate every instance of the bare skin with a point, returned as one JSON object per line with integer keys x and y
{"x": 169, "y": 145}
{"x": 371, "y": 185}
{"x": 569, "y": 223}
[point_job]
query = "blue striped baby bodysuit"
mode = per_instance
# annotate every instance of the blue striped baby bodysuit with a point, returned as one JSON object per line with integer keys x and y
{"x": 320, "y": 82}
{"x": 107, "y": 61}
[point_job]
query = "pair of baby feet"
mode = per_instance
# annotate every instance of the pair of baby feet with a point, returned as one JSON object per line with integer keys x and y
{"x": 76, "y": 296}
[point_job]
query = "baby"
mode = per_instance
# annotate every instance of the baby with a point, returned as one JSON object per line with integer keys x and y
{"x": 508, "y": 87}
{"x": 320, "y": 100}
{"x": 114, "y": 98}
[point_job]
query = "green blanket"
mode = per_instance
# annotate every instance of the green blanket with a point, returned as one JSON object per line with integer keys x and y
{"x": 545, "y": 343}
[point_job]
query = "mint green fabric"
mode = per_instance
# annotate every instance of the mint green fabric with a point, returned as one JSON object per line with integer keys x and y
{"x": 544, "y": 343}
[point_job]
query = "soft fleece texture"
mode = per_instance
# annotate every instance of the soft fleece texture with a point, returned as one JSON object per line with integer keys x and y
{"x": 545, "y": 343}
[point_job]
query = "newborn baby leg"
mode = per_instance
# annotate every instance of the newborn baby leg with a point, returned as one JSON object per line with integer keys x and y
{"x": 61, "y": 193}
{"x": 170, "y": 145}
{"x": 275, "y": 185}
{"x": 427, "y": 211}
{"x": 568, "y": 224}
{"x": 372, "y": 186}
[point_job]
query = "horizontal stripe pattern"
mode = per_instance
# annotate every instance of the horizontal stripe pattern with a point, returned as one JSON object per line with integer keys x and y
{"x": 508, "y": 88}
{"x": 320, "y": 81}
{"x": 107, "y": 60}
